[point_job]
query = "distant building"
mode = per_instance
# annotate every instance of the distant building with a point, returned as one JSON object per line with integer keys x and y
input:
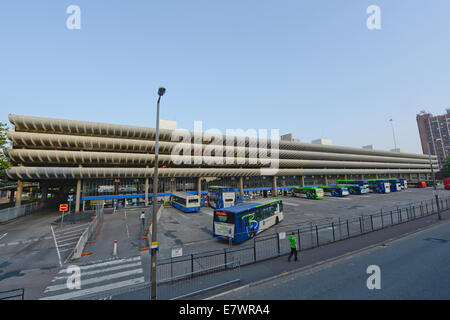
{"x": 289, "y": 137}
{"x": 397, "y": 150}
{"x": 369, "y": 147}
{"x": 168, "y": 124}
{"x": 322, "y": 141}
{"x": 434, "y": 134}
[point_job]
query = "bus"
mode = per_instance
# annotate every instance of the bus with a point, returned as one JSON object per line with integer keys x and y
{"x": 354, "y": 186}
{"x": 403, "y": 183}
{"x": 446, "y": 183}
{"x": 335, "y": 191}
{"x": 245, "y": 221}
{"x": 395, "y": 184}
{"x": 186, "y": 202}
{"x": 377, "y": 186}
{"x": 418, "y": 184}
{"x": 308, "y": 192}
{"x": 221, "y": 197}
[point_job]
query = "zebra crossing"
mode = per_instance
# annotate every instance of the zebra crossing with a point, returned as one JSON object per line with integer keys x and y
{"x": 66, "y": 238}
{"x": 96, "y": 278}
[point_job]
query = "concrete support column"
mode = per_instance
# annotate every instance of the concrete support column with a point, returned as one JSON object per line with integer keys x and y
{"x": 19, "y": 193}
{"x": 302, "y": 181}
{"x": 199, "y": 186}
{"x": 78, "y": 196}
{"x": 241, "y": 187}
{"x": 376, "y": 176}
{"x": 44, "y": 192}
{"x": 325, "y": 180}
{"x": 362, "y": 177}
{"x": 274, "y": 187}
{"x": 345, "y": 177}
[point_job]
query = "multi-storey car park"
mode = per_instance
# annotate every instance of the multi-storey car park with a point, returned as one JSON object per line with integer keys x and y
{"x": 113, "y": 164}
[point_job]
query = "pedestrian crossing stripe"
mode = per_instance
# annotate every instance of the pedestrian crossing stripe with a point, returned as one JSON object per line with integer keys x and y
{"x": 97, "y": 277}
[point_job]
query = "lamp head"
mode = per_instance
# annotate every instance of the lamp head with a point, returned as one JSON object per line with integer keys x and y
{"x": 161, "y": 91}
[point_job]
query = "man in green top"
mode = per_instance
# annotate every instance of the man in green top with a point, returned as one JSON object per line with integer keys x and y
{"x": 293, "y": 244}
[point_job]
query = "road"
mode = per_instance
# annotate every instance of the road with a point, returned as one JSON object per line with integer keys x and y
{"x": 412, "y": 267}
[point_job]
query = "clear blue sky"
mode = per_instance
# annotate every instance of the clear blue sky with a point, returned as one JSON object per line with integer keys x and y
{"x": 307, "y": 67}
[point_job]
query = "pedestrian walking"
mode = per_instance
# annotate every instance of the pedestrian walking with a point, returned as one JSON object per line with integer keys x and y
{"x": 293, "y": 245}
{"x": 143, "y": 219}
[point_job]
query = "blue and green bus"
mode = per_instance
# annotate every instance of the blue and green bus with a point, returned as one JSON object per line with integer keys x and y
{"x": 315, "y": 193}
{"x": 221, "y": 197}
{"x": 335, "y": 191}
{"x": 377, "y": 186}
{"x": 354, "y": 186}
{"x": 244, "y": 221}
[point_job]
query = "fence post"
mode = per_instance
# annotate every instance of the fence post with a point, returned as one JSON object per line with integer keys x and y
{"x": 382, "y": 222}
{"x": 360, "y": 225}
{"x": 192, "y": 265}
{"x": 225, "y": 256}
{"x": 254, "y": 249}
{"x": 332, "y": 226}
{"x": 392, "y": 219}
{"x": 298, "y": 236}
{"x": 348, "y": 230}
{"x": 399, "y": 212}
{"x": 371, "y": 221}
{"x": 278, "y": 243}
{"x": 317, "y": 236}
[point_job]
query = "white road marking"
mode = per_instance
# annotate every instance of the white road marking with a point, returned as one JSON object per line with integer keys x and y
{"x": 4, "y": 235}
{"x": 13, "y": 243}
{"x": 291, "y": 204}
{"x": 103, "y": 270}
{"x": 81, "y": 293}
{"x": 67, "y": 244}
{"x": 95, "y": 280}
{"x": 103, "y": 264}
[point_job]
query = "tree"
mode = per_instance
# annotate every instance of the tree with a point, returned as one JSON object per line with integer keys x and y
{"x": 4, "y": 160}
{"x": 446, "y": 168}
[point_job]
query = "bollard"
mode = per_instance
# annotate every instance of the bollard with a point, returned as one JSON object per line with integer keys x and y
{"x": 115, "y": 248}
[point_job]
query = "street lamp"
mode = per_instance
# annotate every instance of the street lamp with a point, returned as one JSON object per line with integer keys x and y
{"x": 393, "y": 134}
{"x": 154, "y": 243}
{"x": 434, "y": 183}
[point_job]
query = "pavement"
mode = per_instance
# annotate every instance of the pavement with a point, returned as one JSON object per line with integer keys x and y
{"x": 411, "y": 267}
{"x": 255, "y": 275}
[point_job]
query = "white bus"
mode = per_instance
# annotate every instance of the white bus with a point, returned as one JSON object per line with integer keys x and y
{"x": 186, "y": 202}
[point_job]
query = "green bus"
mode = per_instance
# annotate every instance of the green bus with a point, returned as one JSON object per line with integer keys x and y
{"x": 308, "y": 192}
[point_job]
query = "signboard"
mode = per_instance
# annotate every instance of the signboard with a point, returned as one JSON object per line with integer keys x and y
{"x": 70, "y": 198}
{"x": 177, "y": 252}
{"x": 226, "y": 230}
{"x": 63, "y": 207}
{"x": 282, "y": 235}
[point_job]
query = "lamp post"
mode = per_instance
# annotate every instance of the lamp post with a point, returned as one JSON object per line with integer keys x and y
{"x": 154, "y": 243}
{"x": 393, "y": 133}
{"x": 434, "y": 184}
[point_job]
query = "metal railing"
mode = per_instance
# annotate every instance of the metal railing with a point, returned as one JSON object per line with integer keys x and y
{"x": 93, "y": 226}
{"x": 15, "y": 294}
{"x": 270, "y": 245}
{"x": 20, "y": 211}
